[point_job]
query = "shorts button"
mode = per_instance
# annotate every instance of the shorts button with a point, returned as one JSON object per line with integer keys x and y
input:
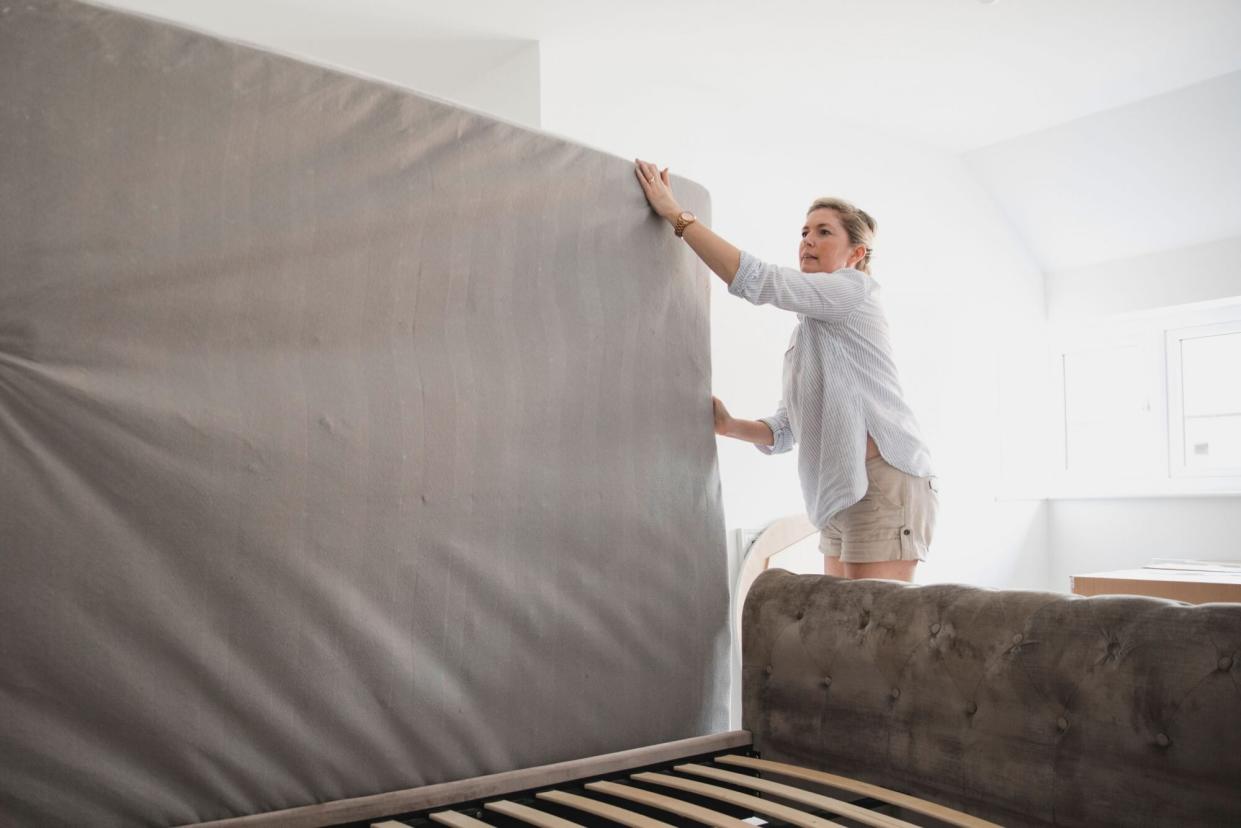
{"x": 906, "y": 531}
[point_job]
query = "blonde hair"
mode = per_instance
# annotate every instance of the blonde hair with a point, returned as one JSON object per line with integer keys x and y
{"x": 857, "y": 223}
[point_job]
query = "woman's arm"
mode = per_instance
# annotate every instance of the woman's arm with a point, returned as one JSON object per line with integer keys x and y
{"x": 812, "y": 294}
{"x": 752, "y": 431}
{"x": 721, "y": 257}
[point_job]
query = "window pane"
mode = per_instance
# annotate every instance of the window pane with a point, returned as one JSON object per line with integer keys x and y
{"x": 1213, "y": 442}
{"x": 1211, "y": 388}
{"x": 1211, "y": 374}
{"x": 1108, "y": 420}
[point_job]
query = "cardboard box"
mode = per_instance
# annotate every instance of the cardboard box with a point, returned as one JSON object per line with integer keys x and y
{"x": 1179, "y": 585}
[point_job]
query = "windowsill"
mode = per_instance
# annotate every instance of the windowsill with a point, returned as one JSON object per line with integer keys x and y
{"x": 1084, "y": 493}
{"x": 1105, "y": 494}
{"x": 1097, "y": 487}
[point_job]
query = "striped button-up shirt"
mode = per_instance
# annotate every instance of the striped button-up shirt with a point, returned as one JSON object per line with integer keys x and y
{"x": 840, "y": 383}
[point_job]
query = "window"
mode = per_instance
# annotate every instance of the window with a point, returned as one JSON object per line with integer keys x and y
{"x": 1204, "y": 400}
{"x": 1150, "y": 405}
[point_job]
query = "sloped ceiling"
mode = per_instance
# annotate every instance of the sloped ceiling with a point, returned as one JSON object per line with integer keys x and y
{"x": 1160, "y": 174}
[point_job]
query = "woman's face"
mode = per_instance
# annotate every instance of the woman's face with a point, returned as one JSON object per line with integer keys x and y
{"x": 825, "y": 245}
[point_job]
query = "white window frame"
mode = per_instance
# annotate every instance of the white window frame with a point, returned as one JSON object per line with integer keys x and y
{"x": 1228, "y": 478}
{"x": 1156, "y": 333}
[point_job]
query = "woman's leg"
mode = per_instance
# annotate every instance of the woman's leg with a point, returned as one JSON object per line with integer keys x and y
{"x": 829, "y": 545}
{"x": 889, "y": 570}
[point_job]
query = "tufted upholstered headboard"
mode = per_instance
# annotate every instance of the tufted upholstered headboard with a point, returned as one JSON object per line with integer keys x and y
{"x": 1028, "y": 708}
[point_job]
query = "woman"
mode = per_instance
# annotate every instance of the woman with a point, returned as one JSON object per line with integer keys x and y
{"x": 865, "y": 471}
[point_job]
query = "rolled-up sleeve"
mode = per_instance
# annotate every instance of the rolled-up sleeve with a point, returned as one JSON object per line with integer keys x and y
{"x": 830, "y": 297}
{"x": 779, "y": 425}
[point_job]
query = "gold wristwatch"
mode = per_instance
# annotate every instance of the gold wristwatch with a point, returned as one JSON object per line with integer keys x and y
{"x": 684, "y": 220}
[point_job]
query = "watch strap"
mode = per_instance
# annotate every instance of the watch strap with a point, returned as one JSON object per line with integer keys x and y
{"x": 684, "y": 220}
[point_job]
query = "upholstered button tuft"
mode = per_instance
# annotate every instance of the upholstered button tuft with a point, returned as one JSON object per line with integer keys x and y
{"x": 801, "y": 614}
{"x": 1225, "y": 663}
{"x": 827, "y": 681}
{"x": 769, "y": 669}
{"x": 1162, "y": 739}
{"x": 971, "y": 708}
{"x": 896, "y": 692}
{"x": 1017, "y": 638}
{"x": 1062, "y": 724}
{"x": 935, "y": 629}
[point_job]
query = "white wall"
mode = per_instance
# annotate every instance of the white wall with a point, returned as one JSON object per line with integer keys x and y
{"x": 1132, "y": 209}
{"x": 498, "y": 76}
{"x": 509, "y": 88}
{"x": 962, "y": 296}
{"x": 1098, "y": 535}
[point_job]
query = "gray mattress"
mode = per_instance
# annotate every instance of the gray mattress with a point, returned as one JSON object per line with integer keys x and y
{"x": 349, "y": 441}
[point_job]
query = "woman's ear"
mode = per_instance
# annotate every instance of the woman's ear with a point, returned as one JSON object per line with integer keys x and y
{"x": 857, "y": 255}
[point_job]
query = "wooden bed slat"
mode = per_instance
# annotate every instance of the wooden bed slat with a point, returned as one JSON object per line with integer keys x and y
{"x": 602, "y": 809}
{"x": 667, "y": 803}
{"x": 528, "y": 815}
{"x": 819, "y": 801}
{"x": 844, "y": 783}
{"x": 456, "y": 819}
{"x": 766, "y": 807}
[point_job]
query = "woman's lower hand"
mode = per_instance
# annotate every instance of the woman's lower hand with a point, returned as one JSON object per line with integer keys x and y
{"x": 723, "y": 420}
{"x": 657, "y": 187}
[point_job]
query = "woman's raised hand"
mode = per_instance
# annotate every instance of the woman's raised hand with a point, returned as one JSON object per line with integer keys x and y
{"x": 657, "y": 187}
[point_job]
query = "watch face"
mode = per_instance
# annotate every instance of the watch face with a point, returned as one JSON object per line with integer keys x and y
{"x": 686, "y": 215}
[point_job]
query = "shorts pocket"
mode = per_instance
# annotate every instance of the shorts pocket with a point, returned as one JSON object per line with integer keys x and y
{"x": 870, "y": 519}
{"x": 887, "y": 485}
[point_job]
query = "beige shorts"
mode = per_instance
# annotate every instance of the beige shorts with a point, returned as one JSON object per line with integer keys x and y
{"x": 894, "y": 520}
